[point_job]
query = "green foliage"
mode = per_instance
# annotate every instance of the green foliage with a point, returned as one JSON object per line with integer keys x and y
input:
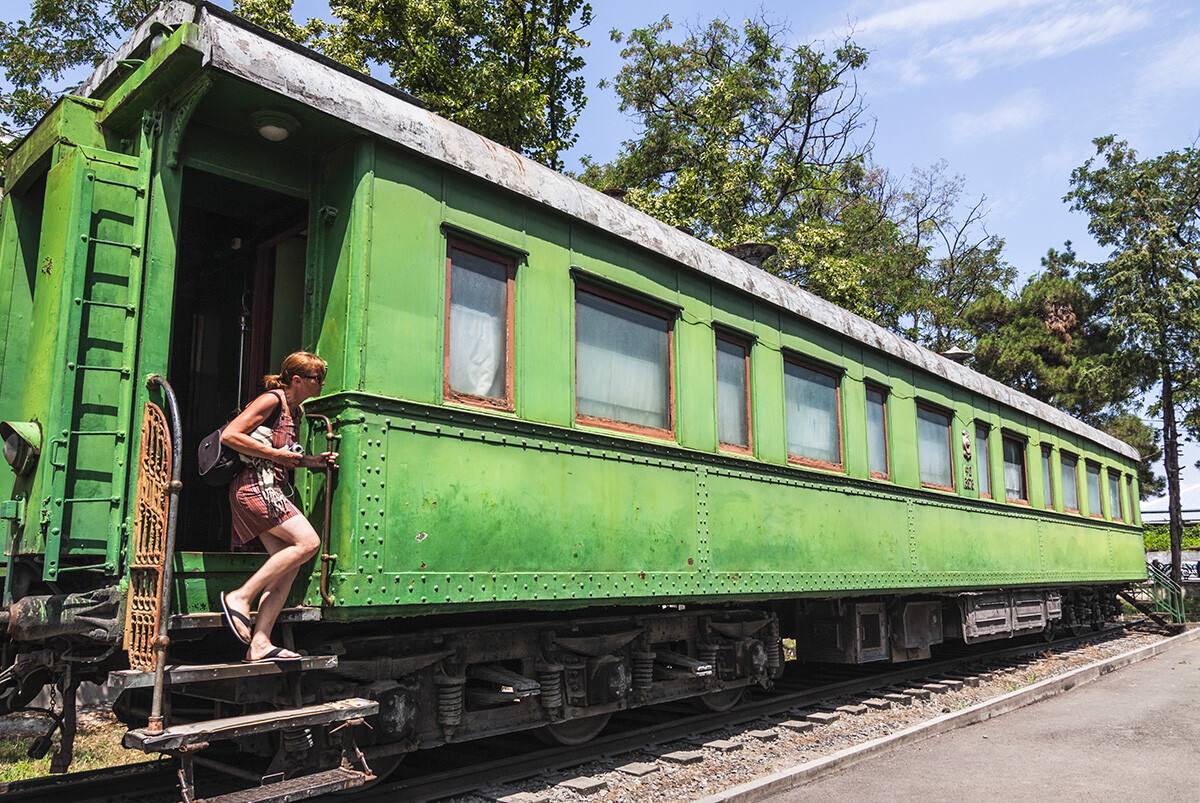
{"x": 1146, "y": 211}
{"x": 1158, "y": 537}
{"x": 58, "y": 38}
{"x": 507, "y": 70}
{"x": 737, "y": 128}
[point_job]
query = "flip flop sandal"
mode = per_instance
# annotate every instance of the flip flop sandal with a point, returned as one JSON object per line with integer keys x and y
{"x": 273, "y": 654}
{"x": 231, "y": 615}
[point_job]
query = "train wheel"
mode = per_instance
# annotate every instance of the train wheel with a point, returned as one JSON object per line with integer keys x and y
{"x": 717, "y": 702}
{"x": 573, "y": 731}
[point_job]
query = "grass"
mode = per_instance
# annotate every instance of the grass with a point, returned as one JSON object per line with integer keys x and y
{"x": 97, "y": 745}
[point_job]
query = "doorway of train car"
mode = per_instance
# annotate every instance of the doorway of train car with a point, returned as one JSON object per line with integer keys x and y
{"x": 238, "y": 310}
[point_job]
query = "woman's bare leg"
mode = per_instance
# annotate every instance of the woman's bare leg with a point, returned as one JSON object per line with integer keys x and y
{"x": 290, "y": 544}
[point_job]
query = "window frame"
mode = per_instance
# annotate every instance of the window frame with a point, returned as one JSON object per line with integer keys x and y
{"x": 836, "y": 376}
{"x": 984, "y": 460}
{"x": 1119, "y": 513}
{"x": 631, "y": 300}
{"x": 1074, "y": 458}
{"x": 884, "y": 391}
{"x": 1099, "y": 471}
{"x": 746, "y": 344}
{"x": 509, "y": 261}
{"x": 1048, "y": 479}
{"x": 933, "y": 408}
{"x": 1024, "y": 442}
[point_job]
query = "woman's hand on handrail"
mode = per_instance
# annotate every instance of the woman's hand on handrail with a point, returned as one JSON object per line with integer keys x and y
{"x": 319, "y": 460}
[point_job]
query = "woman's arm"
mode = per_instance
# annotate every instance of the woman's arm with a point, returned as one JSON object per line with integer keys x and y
{"x": 236, "y": 434}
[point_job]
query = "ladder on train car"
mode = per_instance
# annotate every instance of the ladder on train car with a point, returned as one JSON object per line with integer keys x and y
{"x": 1160, "y": 597}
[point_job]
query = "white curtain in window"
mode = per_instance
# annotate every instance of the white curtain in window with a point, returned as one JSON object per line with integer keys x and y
{"x": 983, "y": 461}
{"x": 876, "y": 431}
{"x": 1014, "y": 469}
{"x": 810, "y": 398}
{"x": 732, "y": 418}
{"x": 1114, "y": 495}
{"x": 1093, "y": 489}
{"x": 478, "y": 325}
{"x": 1047, "y": 489}
{"x": 933, "y": 447}
{"x": 622, "y": 363}
{"x": 1070, "y": 482}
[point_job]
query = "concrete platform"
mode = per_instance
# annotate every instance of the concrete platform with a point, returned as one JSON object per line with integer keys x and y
{"x": 1132, "y": 734}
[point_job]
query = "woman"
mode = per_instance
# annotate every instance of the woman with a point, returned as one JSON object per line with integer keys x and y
{"x": 264, "y": 433}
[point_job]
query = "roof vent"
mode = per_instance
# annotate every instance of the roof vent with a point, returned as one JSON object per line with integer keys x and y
{"x": 958, "y": 355}
{"x": 754, "y": 253}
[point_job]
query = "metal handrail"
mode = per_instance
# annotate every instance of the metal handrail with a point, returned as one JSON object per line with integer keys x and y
{"x": 326, "y": 558}
{"x": 161, "y": 640}
{"x": 1167, "y": 594}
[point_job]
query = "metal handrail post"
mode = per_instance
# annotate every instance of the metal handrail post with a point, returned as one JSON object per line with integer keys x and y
{"x": 326, "y": 558}
{"x": 161, "y": 640}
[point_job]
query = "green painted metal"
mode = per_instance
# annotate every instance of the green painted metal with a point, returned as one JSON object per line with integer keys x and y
{"x": 446, "y": 507}
{"x": 1165, "y": 594}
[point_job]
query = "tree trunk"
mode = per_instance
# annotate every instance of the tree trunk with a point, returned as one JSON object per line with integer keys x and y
{"x": 1171, "y": 464}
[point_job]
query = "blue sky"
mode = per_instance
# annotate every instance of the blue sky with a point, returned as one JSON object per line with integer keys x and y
{"x": 1009, "y": 92}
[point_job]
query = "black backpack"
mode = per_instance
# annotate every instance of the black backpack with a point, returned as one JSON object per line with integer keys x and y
{"x": 219, "y": 464}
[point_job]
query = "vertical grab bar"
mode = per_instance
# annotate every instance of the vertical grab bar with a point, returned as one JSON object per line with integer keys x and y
{"x": 326, "y": 558}
{"x": 161, "y": 640}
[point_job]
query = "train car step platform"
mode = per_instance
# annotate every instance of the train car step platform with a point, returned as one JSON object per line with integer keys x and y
{"x": 182, "y": 674}
{"x": 194, "y": 733}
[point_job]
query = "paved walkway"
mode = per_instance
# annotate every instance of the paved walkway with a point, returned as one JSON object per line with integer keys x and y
{"x": 1131, "y": 735}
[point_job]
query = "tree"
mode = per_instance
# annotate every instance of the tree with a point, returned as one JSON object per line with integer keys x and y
{"x": 964, "y": 262}
{"x": 59, "y": 37}
{"x": 1050, "y": 341}
{"x": 1147, "y": 211}
{"x": 737, "y": 129}
{"x": 508, "y": 70}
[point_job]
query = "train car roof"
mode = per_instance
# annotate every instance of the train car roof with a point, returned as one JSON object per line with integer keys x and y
{"x": 238, "y": 48}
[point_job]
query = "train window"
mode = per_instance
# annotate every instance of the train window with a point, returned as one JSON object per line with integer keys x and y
{"x": 733, "y": 393}
{"x": 877, "y": 448}
{"x": 983, "y": 460}
{"x": 1047, "y": 485}
{"x": 479, "y": 330}
{"x": 1093, "y": 490}
{"x": 934, "y": 451}
{"x": 1070, "y": 483}
{"x": 813, "y": 411}
{"x": 622, "y": 363}
{"x": 1115, "y": 508}
{"x": 1016, "y": 488}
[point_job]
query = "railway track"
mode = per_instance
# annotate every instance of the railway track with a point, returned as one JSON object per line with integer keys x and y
{"x": 466, "y": 768}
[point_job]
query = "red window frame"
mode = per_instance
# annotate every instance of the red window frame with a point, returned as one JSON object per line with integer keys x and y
{"x": 745, "y": 345}
{"x": 1048, "y": 480}
{"x": 659, "y": 312}
{"x": 1119, "y": 513}
{"x": 983, "y": 463}
{"x": 1074, "y": 458}
{"x": 1009, "y": 436}
{"x": 949, "y": 416}
{"x": 887, "y": 449}
{"x": 449, "y": 394}
{"x": 836, "y": 376}
{"x": 1099, "y": 472}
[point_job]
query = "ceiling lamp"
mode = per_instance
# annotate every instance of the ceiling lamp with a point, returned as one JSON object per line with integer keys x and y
{"x": 274, "y": 125}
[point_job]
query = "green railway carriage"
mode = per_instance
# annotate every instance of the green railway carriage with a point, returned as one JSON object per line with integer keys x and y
{"x": 556, "y": 415}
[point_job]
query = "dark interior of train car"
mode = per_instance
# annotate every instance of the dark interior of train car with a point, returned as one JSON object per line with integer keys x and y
{"x": 238, "y": 311}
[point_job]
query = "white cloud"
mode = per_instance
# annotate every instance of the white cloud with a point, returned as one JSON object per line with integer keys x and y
{"x": 1175, "y": 66}
{"x": 1010, "y": 45}
{"x": 1015, "y": 113}
{"x": 929, "y": 14}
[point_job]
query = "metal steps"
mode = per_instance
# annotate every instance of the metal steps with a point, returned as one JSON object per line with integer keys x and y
{"x": 216, "y": 621}
{"x": 305, "y": 786}
{"x": 197, "y": 733}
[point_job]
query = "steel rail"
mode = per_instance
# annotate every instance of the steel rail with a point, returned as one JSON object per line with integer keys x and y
{"x": 463, "y": 780}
